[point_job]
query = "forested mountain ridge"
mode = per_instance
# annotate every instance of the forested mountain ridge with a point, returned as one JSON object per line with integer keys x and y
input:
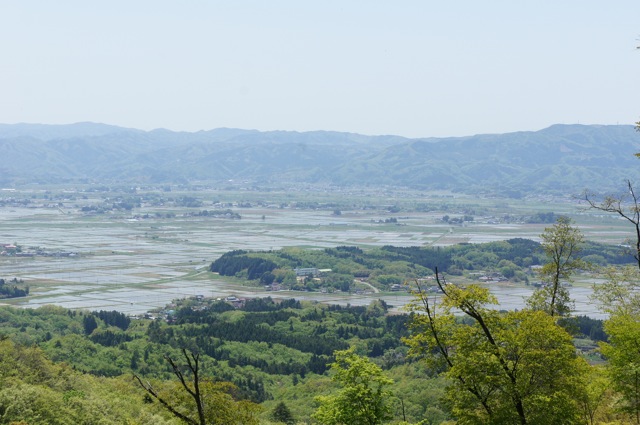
{"x": 60, "y": 366}
{"x": 272, "y": 351}
{"x": 563, "y": 159}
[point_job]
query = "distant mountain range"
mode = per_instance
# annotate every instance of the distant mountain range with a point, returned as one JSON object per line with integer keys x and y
{"x": 561, "y": 159}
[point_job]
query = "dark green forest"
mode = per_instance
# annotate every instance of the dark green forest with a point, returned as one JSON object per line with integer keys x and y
{"x": 267, "y": 351}
{"x": 453, "y": 357}
{"x": 339, "y": 267}
{"x": 13, "y": 289}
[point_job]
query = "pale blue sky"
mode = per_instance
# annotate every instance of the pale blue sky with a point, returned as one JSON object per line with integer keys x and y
{"x": 412, "y": 68}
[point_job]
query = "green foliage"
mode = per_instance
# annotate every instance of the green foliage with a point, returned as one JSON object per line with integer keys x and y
{"x": 388, "y": 266}
{"x": 33, "y": 326}
{"x": 623, "y": 359}
{"x": 282, "y": 414}
{"x": 513, "y": 367}
{"x": 363, "y": 398}
{"x": 620, "y": 298}
{"x": 197, "y": 401}
{"x": 269, "y": 351}
{"x": 234, "y": 262}
{"x": 561, "y": 244}
{"x": 620, "y": 292}
{"x": 114, "y": 318}
{"x": 36, "y": 404}
{"x": 590, "y": 328}
{"x": 36, "y": 391}
{"x": 12, "y": 291}
{"x": 90, "y": 324}
{"x": 548, "y": 217}
{"x": 109, "y": 337}
{"x": 594, "y": 394}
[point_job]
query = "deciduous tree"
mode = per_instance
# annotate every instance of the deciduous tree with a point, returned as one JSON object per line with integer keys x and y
{"x": 561, "y": 243}
{"x": 594, "y": 394}
{"x": 363, "y": 398}
{"x": 624, "y": 359}
{"x": 516, "y": 367}
{"x": 619, "y": 297}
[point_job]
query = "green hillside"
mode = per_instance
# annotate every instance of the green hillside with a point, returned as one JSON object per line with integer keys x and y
{"x": 562, "y": 159}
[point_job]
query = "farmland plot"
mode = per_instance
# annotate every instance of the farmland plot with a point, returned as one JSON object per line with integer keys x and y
{"x": 132, "y": 264}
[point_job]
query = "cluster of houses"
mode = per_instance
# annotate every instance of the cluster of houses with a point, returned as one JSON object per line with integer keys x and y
{"x": 8, "y": 249}
{"x": 496, "y": 277}
{"x": 202, "y": 303}
{"x": 492, "y": 278}
{"x": 12, "y": 250}
{"x": 234, "y": 301}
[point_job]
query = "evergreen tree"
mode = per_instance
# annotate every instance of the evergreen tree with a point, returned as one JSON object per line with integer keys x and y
{"x": 90, "y": 324}
{"x": 281, "y": 413}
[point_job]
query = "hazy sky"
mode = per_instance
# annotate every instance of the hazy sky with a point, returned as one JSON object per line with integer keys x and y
{"x": 412, "y": 68}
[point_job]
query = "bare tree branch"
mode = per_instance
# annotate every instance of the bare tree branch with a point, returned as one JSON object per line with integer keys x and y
{"x": 617, "y": 205}
{"x": 444, "y": 351}
{"x": 149, "y": 389}
{"x": 193, "y": 362}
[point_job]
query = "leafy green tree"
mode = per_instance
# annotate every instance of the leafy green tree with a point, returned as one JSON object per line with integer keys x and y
{"x": 281, "y": 413}
{"x": 36, "y": 404}
{"x": 363, "y": 399}
{"x": 517, "y": 367}
{"x": 561, "y": 243}
{"x": 594, "y": 394}
{"x": 623, "y": 358}
{"x": 619, "y": 294}
{"x": 619, "y": 297}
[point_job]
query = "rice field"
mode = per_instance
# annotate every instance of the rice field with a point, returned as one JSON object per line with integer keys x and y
{"x": 131, "y": 264}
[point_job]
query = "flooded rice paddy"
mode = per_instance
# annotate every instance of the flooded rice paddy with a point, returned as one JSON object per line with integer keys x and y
{"x": 135, "y": 265}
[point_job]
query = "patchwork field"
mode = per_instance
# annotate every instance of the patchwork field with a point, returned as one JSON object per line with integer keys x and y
{"x": 137, "y": 260}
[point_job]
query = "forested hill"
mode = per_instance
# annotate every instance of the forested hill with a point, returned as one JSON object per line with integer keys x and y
{"x": 563, "y": 159}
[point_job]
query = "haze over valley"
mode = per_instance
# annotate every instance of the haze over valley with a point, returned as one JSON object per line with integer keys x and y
{"x": 319, "y": 213}
{"x": 559, "y": 160}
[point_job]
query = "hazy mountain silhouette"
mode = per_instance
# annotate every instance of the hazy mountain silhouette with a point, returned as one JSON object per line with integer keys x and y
{"x": 558, "y": 159}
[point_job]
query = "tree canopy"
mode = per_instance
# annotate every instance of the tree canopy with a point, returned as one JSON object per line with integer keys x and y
{"x": 503, "y": 367}
{"x": 363, "y": 398}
